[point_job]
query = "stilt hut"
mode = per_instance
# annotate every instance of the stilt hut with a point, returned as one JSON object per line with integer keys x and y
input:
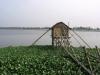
{"x": 60, "y": 34}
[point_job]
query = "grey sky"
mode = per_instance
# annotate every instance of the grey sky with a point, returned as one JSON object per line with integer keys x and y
{"x": 32, "y": 13}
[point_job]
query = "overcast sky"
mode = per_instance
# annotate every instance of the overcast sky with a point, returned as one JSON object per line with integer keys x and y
{"x": 41, "y": 13}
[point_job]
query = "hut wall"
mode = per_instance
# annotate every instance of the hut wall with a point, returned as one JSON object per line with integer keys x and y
{"x": 59, "y": 32}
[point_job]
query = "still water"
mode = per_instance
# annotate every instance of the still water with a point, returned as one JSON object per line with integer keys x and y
{"x": 21, "y": 37}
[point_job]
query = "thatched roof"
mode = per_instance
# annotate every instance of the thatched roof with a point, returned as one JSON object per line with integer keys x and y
{"x": 61, "y": 24}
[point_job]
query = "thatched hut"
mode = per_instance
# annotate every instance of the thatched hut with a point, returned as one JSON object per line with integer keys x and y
{"x": 60, "y": 32}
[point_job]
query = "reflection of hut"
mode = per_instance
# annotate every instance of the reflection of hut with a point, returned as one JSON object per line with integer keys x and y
{"x": 60, "y": 34}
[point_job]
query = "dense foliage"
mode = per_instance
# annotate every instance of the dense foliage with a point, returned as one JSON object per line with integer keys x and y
{"x": 36, "y": 60}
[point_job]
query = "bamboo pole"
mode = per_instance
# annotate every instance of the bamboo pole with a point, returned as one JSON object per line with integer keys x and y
{"x": 40, "y": 36}
{"x": 88, "y": 60}
{"x": 82, "y": 39}
{"x": 78, "y": 62}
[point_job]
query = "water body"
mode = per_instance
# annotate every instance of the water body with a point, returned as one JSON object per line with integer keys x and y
{"x": 20, "y": 37}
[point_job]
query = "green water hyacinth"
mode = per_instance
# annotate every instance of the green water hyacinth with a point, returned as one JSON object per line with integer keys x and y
{"x": 37, "y": 60}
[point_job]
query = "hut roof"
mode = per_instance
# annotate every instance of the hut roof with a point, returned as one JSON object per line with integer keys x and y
{"x": 61, "y": 24}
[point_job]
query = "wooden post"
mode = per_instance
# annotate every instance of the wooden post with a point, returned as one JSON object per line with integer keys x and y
{"x": 97, "y": 51}
{"x": 52, "y": 33}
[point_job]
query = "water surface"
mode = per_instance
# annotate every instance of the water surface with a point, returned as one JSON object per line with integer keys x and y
{"x": 20, "y": 37}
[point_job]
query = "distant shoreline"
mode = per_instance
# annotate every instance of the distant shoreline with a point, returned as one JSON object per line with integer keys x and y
{"x": 39, "y": 28}
{"x": 24, "y": 28}
{"x": 87, "y": 30}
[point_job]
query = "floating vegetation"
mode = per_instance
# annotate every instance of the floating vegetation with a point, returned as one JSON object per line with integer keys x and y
{"x": 38, "y": 60}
